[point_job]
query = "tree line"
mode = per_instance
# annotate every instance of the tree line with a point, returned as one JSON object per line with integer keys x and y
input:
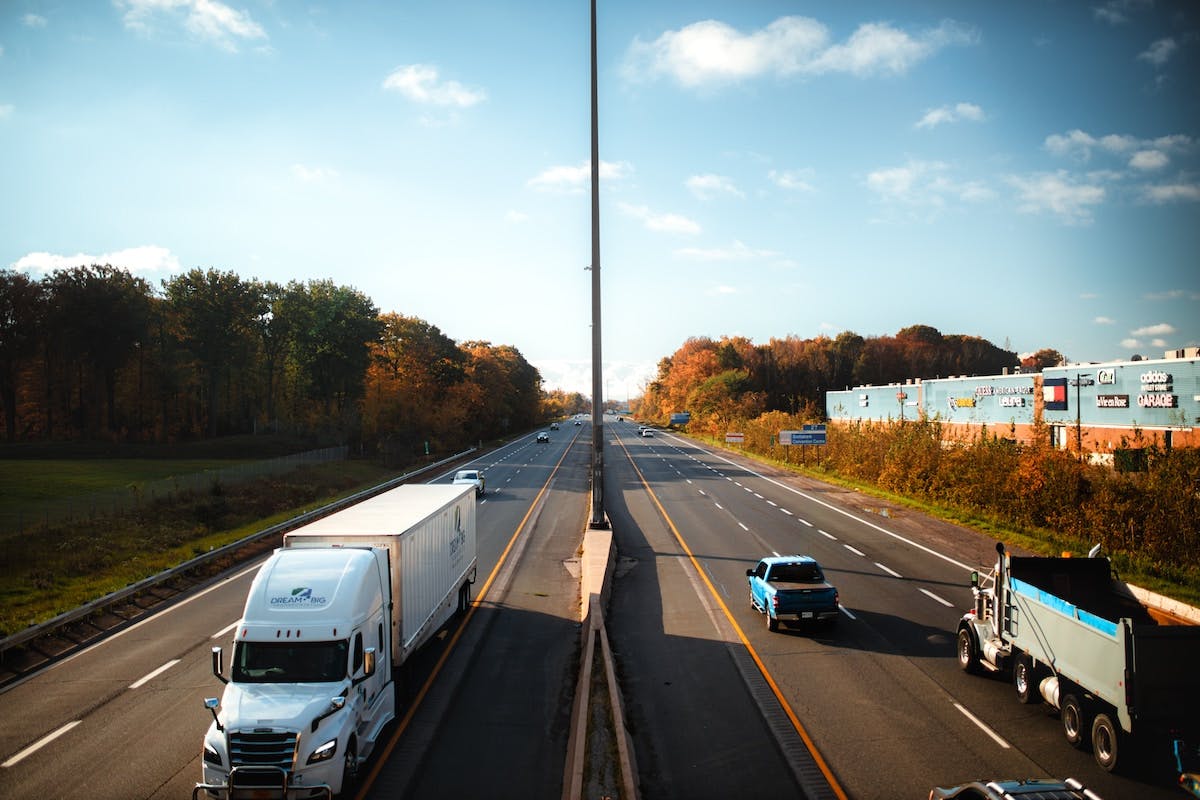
{"x": 97, "y": 353}
{"x": 732, "y": 378}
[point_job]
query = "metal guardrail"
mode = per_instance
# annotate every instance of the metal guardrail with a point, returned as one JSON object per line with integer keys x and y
{"x": 121, "y": 595}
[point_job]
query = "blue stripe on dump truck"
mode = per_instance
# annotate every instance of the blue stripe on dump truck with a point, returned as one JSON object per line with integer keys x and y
{"x": 1063, "y": 607}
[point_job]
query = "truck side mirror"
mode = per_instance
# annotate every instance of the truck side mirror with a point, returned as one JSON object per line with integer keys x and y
{"x": 368, "y": 662}
{"x": 212, "y": 704}
{"x": 974, "y": 579}
{"x": 749, "y": 573}
{"x": 218, "y": 666}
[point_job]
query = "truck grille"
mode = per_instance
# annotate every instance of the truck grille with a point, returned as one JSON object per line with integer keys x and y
{"x": 262, "y": 749}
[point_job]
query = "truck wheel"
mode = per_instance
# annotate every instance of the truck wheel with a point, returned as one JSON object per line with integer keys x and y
{"x": 1105, "y": 742}
{"x": 464, "y": 598}
{"x": 1024, "y": 678}
{"x": 772, "y": 623}
{"x": 349, "y": 772}
{"x": 1074, "y": 722}
{"x": 968, "y": 656}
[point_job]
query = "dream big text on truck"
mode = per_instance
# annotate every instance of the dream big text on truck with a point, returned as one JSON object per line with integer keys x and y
{"x": 1075, "y": 636}
{"x": 329, "y": 619}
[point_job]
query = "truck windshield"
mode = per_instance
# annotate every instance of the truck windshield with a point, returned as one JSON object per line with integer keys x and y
{"x": 796, "y": 573}
{"x": 289, "y": 662}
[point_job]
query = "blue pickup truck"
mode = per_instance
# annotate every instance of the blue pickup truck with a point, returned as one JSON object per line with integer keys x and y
{"x": 792, "y": 587}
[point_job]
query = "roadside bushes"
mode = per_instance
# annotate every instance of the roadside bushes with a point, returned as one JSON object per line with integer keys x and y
{"x": 1150, "y": 517}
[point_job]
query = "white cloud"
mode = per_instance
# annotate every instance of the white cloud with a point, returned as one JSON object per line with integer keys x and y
{"x": 1161, "y": 329}
{"x": 1131, "y": 344}
{"x": 708, "y": 186}
{"x": 1104, "y": 321}
{"x": 1149, "y": 159}
{"x": 307, "y": 174}
{"x": 208, "y": 20}
{"x": 1159, "y": 52}
{"x": 712, "y": 52}
{"x": 1173, "y": 294}
{"x": 719, "y": 291}
{"x": 662, "y": 223}
{"x": 947, "y": 114}
{"x": 420, "y": 83}
{"x": 516, "y": 217}
{"x": 567, "y": 178}
{"x": 792, "y": 179}
{"x": 1162, "y": 194}
{"x": 1059, "y": 194}
{"x": 147, "y": 258}
{"x": 923, "y": 183}
{"x": 33, "y": 21}
{"x": 6, "y": 110}
{"x": 1116, "y": 12}
{"x": 1079, "y": 145}
{"x": 736, "y": 252}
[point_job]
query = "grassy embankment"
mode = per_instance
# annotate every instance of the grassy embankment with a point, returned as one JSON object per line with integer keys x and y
{"x": 48, "y": 567}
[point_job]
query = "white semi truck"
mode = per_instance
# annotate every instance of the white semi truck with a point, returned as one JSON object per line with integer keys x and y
{"x": 329, "y": 619}
{"x": 1074, "y": 635}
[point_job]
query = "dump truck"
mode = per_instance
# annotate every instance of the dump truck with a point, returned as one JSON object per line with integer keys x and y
{"x": 1075, "y": 636}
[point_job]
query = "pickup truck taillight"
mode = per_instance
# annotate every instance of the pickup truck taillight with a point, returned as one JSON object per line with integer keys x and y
{"x": 775, "y": 601}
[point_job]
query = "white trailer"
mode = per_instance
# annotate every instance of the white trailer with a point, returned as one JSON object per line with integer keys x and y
{"x": 329, "y": 618}
{"x": 1077, "y": 637}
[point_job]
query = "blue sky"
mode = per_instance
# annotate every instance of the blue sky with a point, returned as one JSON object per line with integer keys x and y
{"x": 1027, "y": 172}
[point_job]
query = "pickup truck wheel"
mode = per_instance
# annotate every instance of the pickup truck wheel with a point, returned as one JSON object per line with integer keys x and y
{"x": 1024, "y": 678}
{"x": 968, "y": 655}
{"x": 1105, "y": 742}
{"x": 1074, "y": 721}
{"x": 772, "y": 623}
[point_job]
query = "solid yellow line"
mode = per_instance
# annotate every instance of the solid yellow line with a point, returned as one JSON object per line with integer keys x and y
{"x": 437, "y": 668}
{"x": 808, "y": 742}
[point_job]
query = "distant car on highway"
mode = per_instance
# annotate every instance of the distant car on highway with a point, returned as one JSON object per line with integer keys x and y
{"x": 577, "y": 422}
{"x": 543, "y": 438}
{"x": 553, "y": 426}
{"x": 1040, "y": 789}
{"x": 647, "y": 431}
{"x": 472, "y": 476}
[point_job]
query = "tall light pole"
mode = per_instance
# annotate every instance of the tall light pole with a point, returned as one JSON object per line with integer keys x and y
{"x": 598, "y": 519}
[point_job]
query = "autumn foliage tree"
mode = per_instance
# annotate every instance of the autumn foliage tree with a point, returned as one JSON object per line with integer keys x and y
{"x": 96, "y": 352}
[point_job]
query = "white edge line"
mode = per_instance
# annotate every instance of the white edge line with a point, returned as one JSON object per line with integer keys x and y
{"x": 39, "y": 744}
{"x": 846, "y": 611}
{"x": 151, "y": 676}
{"x": 995, "y": 736}
{"x": 743, "y": 527}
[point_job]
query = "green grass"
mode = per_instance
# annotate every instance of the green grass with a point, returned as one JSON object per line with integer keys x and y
{"x": 48, "y": 570}
{"x": 27, "y": 483}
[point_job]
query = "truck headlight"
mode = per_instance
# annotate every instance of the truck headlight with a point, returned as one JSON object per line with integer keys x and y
{"x": 324, "y": 752}
{"x": 211, "y": 756}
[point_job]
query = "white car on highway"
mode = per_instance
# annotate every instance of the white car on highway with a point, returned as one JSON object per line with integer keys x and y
{"x": 471, "y": 476}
